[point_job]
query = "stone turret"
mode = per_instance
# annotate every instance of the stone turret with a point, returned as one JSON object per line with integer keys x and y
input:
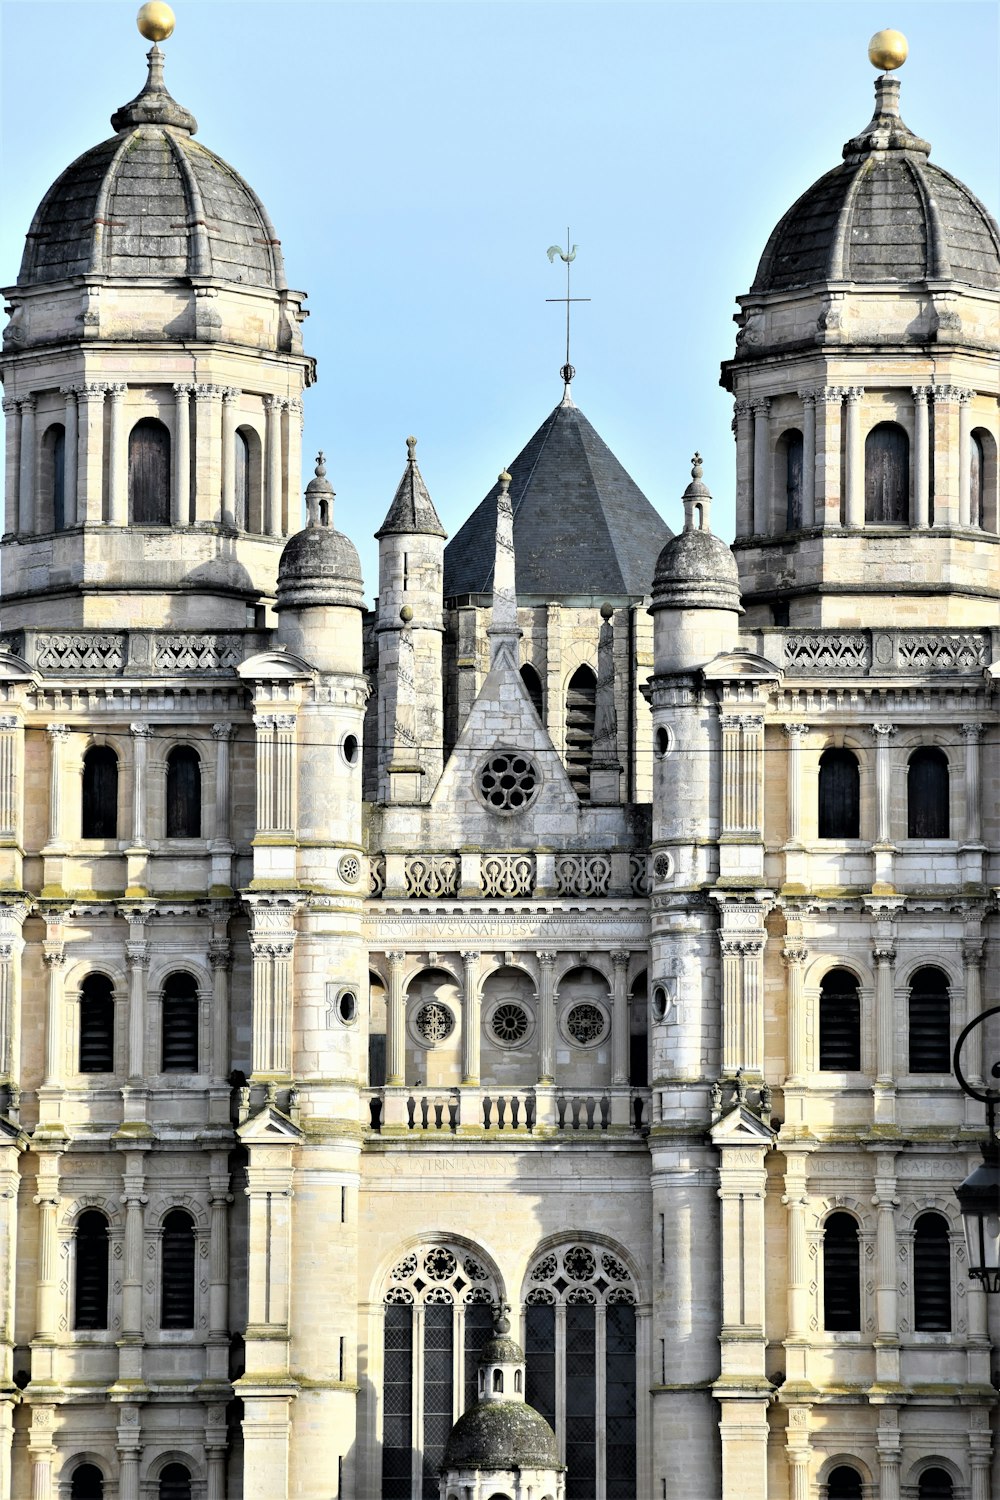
{"x": 696, "y": 591}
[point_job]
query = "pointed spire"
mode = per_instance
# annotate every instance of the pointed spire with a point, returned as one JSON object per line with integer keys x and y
{"x": 154, "y": 105}
{"x": 503, "y": 629}
{"x": 412, "y": 509}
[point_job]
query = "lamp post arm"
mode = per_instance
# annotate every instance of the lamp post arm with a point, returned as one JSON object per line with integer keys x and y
{"x": 988, "y": 1096}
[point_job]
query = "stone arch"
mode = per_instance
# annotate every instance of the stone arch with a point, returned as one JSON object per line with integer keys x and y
{"x": 162, "y": 1460}
{"x": 433, "y": 1027}
{"x": 849, "y": 1460}
{"x": 84, "y": 1203}
{"x": 932, "y": 1461}
{"x": 887, "y": 475}
{"x": 248, "y": 490}
{"x": 983, "y": 497}
{"x": 551, "y": 1243}
{"x": 51, "y": 509}
{"x": 788, "y": 486}
{"x": 149, "y": 472}
{"x": 167, "y": 1205}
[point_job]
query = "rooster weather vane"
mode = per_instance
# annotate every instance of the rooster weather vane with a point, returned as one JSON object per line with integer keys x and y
{"x": 567, "y": 256}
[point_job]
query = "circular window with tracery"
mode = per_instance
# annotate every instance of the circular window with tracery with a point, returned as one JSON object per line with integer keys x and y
{"x": 586, "y": 1024}
{"x": 508, "y": 781}
{"x": 433, "y": 1023}
{"x": 509, "y": 1023}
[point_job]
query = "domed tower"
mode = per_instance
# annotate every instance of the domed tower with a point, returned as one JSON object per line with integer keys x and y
{"x": 501, "y": 1445}
{"x": 865, "y": 390}
{"x": 153, "y": 373}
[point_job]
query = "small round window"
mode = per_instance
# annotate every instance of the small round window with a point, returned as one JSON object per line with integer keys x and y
{"x": 662, "y": 741}
{"x": 508, "y": 781}
{"x": 659, "y": 1003}
{"x": 433, "y": 1023}
{"x": 509, "y": 1023}
{"x": 586, "y": 1024}
{"x": 347, "y": 1007}
{"x": 350, "y": 748}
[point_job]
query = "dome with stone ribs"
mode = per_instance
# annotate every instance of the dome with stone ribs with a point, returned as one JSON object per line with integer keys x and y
{"x": 152, "y": 202}
{"x": 885, "y": 214}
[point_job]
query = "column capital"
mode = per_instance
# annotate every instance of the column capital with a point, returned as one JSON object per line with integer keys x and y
{"x": 28, "y": 403}
{"x": 93, "y": 390}
{"x": 296, "y": 407}
{"x": 973, "y": 952}
{"x": 830, "y": 395}
{"x": 220, "y": 953}
{"x": 263, "y": 721}
{"x": 53, "y": 955}
{"x": 742, "y": 408}
{"x": 11, "y": 403}
{"x": 9, "y": 721}
{"x": 972, "y": 731}
{"x": 58, "y": 731}
{"x": 141, "y": 731}
{"x": 182, "y": 390}
{"x": 853, "y": 393}
{"x": 69, "y": 391}
{"x": 793, "y": 956}
{"x": 396, "y": 960}
{"x": 471, "y": 958}
{"x": 547, "y": 960}
{"x": 620, "y": 959}
{"x": 274, "y": 403}
{"x": 116, "y": 390}
{"x": 884, "y": 953}
{"x": 808, "y": 394}
{"x": 208, "y": 392}
{"x": 796, "y": 731}
{"x": 284, "y": 721}
{"x": 223, "y": 731}
{"x": 921, "y": 393}
{"x": 137, "y": 954}
{"x": 883, "y": 731}
{"x": 231, "y": 394}
{"x": 760, "y": 405}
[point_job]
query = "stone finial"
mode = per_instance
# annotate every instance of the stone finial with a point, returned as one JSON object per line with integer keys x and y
{"x": 501, "y": 1320}
{"x": 503, "y": 629}
{"x": 154, "y": 105}
{"x": 411, "y": 449}
{"x": 320, "y": 496}
{"x": 697, "y": 499}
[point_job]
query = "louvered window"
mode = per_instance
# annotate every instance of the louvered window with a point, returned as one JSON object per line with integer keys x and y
{"x": 927, "y": 794}
{"x": 87, "y": 1483}
{"x": 183, "y": 793}
{"x": 397, "y": 1430}
{"x": 180, "y": 1024}
{"x": 533, "y": 685}
{"x": 149, "y": 473}
{"x": 175, "y": 1483}
{"x": 841, "y": 1275}
{"x": 177, "y": 1271}
{"x": 793, "y": 480}
{"x": 844, "y": 1483}
{"x": 935, "y": 1484}
{"x": 100, "y": 793}
{"x": 931, "y": 1275}
{"x": 581, "y": 706}
{"x": 839, "y": 795}
{"x": 929, "y": 1022}
{"x": 839, "y": 1023}
{"x": 90, "y": 1303}
{"x": 97, "y": 1025}
{"x": 438, "y": 1393}
{"x": 887, "y": 475}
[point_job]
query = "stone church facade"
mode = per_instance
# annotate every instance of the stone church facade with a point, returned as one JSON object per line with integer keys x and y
{"x": 586, "y": 929}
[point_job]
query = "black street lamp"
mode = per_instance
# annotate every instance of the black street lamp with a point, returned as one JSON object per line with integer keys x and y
{"x": 979, "y": 1195}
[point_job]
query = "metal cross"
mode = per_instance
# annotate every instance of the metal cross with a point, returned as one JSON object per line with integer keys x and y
{"x": 567, "y": 256}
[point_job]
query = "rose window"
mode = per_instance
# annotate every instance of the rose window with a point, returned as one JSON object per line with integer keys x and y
{"x": 508, "y": 781}
{"x": 509, "y": 1023}
{"x": 434, "y": 1023}
{"x": 586, "y": 1024}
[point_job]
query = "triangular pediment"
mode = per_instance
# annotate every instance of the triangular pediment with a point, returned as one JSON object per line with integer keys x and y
{"x": 275, "y": 666}
{"x": 744, "y": 665}
{"x": 16, "y": 669}
{"x": 741, "y": 1127}
{"x": 269, "y": 1127}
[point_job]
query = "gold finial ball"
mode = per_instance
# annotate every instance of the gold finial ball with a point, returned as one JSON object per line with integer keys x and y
{"x": 888, "y": 50}
{"x": 155, "y": 21}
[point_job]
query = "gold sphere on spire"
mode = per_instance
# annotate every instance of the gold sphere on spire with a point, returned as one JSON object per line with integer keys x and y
{"x": 888, "y": 50}
{"x": 155, "y": 21}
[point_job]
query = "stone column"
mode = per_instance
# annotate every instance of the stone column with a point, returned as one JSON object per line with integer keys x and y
{"x": 546, "y": 1017}
{"x": 219, "y": 1197}
{"x": 140, "y": 733}
{"x": 12, "y": 915}
{"x": 208, "y": 447}
{"x": 221, "y": 961}
{"x": 946, "y": 446}
{"x": 135, "y": 1199}
{"x": 964, "y": 458}
{"x": 795, "y": 733}
{"x": 68, "y": 393}
{"x": 885, "y": 1015}
{"x": 222, "y": 734}
{"x": 888, "y": 1446}
{"x": 90, "y": 454}
{"x": 395, "y": 1023}
{"x": 795, "y": 1200}
{"x": 761, "y": 468}
{"x": 854, "y": 454}
{"x": 180, "y": 500}
{"x": 798, "y": 1062}
{"x": 26, "y": 483}
{"x": 129, "y": 1453}
{"x": 829, "y": 406}
{"x": 58, "y": 737}
{"x": 972, "y": 1053}
{"x": 471, "y": 1019}
{"x": 972, "y": 735}
{"x": 293, "y": 518}
{"x": 230, "y": 397}
{"x": 743, "y": 433}
{"x": 886, "y": 1269}
{"x": 808, "y": 457}
{"x": 137, "y": 955}
{"x": 921, "y": 458}
{"x": 620, "y": 1020}
{"x": 54, "y": 956}
{"x": 272, "y": 449}
{"x": 117, "y": 459}
{"x": 12, "y": 472}
{"x": 42, "y": 1451}
{"x": 798, "y": 1473}
{"x": 883, "y": 734}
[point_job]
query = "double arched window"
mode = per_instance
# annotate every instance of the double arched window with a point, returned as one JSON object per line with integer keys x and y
{"x": 149, "y": 473}
{"x": 929, "y": 1022}
{"x": 887, "y": 475}
{"x": 99, "y": 810}
{"x": 927, "y": 812}
{"x": 177, "y": 1260}
{"x": 96, "y": 1052}
{"x": 179, "y": 1024}
{"x": 839, "y": 1023}
{"x": 931, "y": 1274}
{"x": 841, "y": 1274}
{"x": 839, "y": 795}
{"x": 183, "y": 793}
{"x": 90, "y": 1300}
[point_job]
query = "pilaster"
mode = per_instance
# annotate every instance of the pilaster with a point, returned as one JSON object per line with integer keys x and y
{"x": 180, "y": 500}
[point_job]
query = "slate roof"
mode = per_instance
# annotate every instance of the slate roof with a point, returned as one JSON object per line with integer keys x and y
{"x": 885, "y": 214}
{"x": 582, "y": 526}
{"x": 412, "y": 510}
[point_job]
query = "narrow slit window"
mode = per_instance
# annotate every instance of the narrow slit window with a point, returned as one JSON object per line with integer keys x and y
{"x": 183, "y": 793}
{"x": 931, "y": 1275}
{"x": 99, "y": 814}
{"x": 581, "y": 708}
{"x": 177, "y": 1271}
{"x": 841, "y": 1275}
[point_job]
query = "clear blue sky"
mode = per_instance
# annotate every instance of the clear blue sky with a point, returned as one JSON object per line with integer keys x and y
{"x": 417, "y": 159}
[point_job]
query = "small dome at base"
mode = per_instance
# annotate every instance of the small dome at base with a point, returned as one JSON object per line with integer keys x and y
{"x": 501, "y": 1435}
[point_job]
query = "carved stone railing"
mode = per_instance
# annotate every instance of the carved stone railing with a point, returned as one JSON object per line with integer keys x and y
{"x": 583, "y": 874}
{"x": 432, "y": 875}
{"x": 376, "y": 874}
{"x": 878, "y": 653}
{"x": 638, "y": 873}
{"x": 62, "y": 654}
{"x": 112, "y": 653}
{"x": 502, "y": 1111}
{"x": 507, "y": 874}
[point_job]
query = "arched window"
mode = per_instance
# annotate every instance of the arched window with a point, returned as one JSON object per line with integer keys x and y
{"x": 533, "y": 686}
{"x": 52, "y": 488}
{"x": 790, "y": 450}
{"x": 177, "y": 1271}
{"x": 638, "y": 1025}
{"x": 839, "y": 795}
{"x": 977, "y": 481}
{"x": 249, "y": 482}
{"x": 841, "y": 1275}
{"x": 844, "y": 1483}
{"x": 87, "y": 1483}
{"x": 183, "y": 793}
{"x": 581, "y": 706}
{"x": 99, "y": 819}
{"x": 149, "y": 473}
{"x": 927, "y": 794}
{"x": 441, "y": 1278}
{"x": 887, "y": 475}
{"x": 90, "y": 1302}
{"x": 175, "y": 1483}
{"x": 931, "y": 1274}
{"x": 241, "y": 480}
{"x": 518, "y": 1383}
{"x": 935, "y": 1484}
{"x": 839, "y": 1023}
{"x": 929, "y": 1022}
{"x": 498, "y": 1382}
{"x": 565, "y": 1371}
{"x": 97, "y": 1025}
{"x": 179, "y": 1025}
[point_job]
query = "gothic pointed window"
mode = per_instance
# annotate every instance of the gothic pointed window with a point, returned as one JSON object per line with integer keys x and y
{"x": 935, "y": 1484}
{"x": 839, "y": 1023}
{"x": 887, "y": 475}
{"x": 177, "y": 1271}
{"x": 931, "y": 1274}
{"x": 99, "y": 814}
{"x": 841, "y": 1274}
{"x": 149, "y": 473}
{"x": 90, "y": 1299}
{"x": 87, "y": 1483}
{"x": 844, "y": 1483}
{"x": 175, "y": 1483}
{"x": 839, "y": 795}
{"x": 927, "y": 794}
{"x": 97, "y": 1025}
{"x": 533, "y": 685}
{"x": 581, "y": 708}
{"x": 179, "y": 1024}
{"x": 929, "y": 1021}
{"x": 183, "y": 793}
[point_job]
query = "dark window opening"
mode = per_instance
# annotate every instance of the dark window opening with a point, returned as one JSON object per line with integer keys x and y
{"x": 931, "y": 1275}
{"x": 927, "y": 794}
{"x": 179, "y": 1024}
{"x": 397, "y": 1395}
{"x": 793, "y": 480}
{"x": 930, "y": 1022}
{"x": 87, "y": 1483}
{"x": 53, "y": 478}
{"x": 839, "y": 795}
{"x": 844, "y": 1483}
{"x": 533, "y": 685}
{"x": 839, "y": 1023}
{"x": 376, "y": 1059}
{"x": 478, "y": 1331}
{"x": 177, "y": 1271}
{"x": 241, "y": 485}
{"x": 175, "y": 1483}
{"x": 91, "y": 1276}
{"x": 977, "y": 477}
{"x": 935, "y": 1484}
{"x": 97, "y": 1025}
{"x": 581, "y": 707}
{"x": 183, "y": 793}
{"x": 149, "y": 473}
{"x": 887, "y": 475}
{"x": 581, "y": 1401}
{"x": 540, "y": 1358}
{"x": 620, "y": 1401}
{"x": 841, "y": 1275}
{"x": 100, "y": 793}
